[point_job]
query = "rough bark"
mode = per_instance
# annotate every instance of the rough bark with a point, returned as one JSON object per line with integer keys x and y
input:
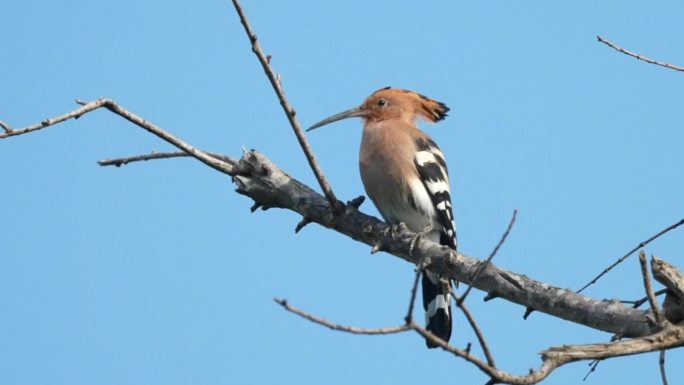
{"x": 270, "y": 187}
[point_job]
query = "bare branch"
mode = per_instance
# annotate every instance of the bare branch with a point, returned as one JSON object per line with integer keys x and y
{"x": 75, "y": 114}
{"x": 478, "y": 332}
{"x": 118, "y": 162}
{"x": 641, "y": 301}
{"x": 414, "y": 289}
{"x": 661, "y": 363}
{"x": 673, "y": 279}
{"x": 6, "y": 127}
{"x": 289, "y": 110}
{"x": 552, "y": 358}
{"x": 637, "y": 247}
{"x": 342, "y": 328}
{"x": 637, "y": 56}
{"x": 668, "y": 275}
{"x": 491, "y": 256}
{"x": 279, "y": 190}
{"x": 671, "y": 336}
{"x": 592, "y": 368}
{"x": 649, "y": 288}
{"x": 219, "y": 165}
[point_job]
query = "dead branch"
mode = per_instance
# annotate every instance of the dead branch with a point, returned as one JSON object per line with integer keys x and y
{"x": 289, "y": 110}
{"x": 5, "y": 127}
{"x": 491, "y": 256}
{"x": 661, "y": 364}
{"x": 478, "y": 332}
{"x": 649, "y": 288}
{"x": 342, "y": 328}
{"x": 592, "y": 368}
{"x": 638, "y": 56}
{"x": 118, "y": 162}
{"x": 636, "y": 303}
{"x": 668, "y": 275}
{"x": 412, "y": 299}
{"x": 637, "y": 247}
{"x": 217, "y": 164}
{"x": 670, "y": 337}
{"x": 673, "y": 279}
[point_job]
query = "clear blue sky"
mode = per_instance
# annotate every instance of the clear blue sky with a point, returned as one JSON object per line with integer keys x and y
{"x": 157, "y": 273}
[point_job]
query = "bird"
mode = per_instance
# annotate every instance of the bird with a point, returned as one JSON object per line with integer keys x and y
{"x": 405, "y": 175}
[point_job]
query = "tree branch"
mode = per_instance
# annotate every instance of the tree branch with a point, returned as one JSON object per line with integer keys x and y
{"x": 637, "y": 247}
{"x": 342, "y": 328}
{"x": 217, "y": 164}
{"x": 637, "y": 56}
{"x": 673, "y": 279}
{"x": 649, "y": 288}
{"x": 661, "y": 364}
{"x": 277, "y": 189}
{"x": 478, "y": 332}
{"x": 118, "y": 162}
{"x": 5, "y": 127}
{"x": 491, "y": 255}
{"x": 670, "y": 337}
{"x": 289, "y": 110}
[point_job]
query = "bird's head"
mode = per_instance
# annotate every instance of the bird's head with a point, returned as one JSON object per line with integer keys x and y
{"x": 392, "y": 103}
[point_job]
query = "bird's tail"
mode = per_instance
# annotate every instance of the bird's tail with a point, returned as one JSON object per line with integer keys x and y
{"x": 437, "y": 305}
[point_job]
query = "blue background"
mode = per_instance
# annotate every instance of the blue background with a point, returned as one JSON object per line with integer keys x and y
{"x": 158, "y": 272}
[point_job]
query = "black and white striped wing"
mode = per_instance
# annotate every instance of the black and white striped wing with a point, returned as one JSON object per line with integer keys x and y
{"x": 433, "y": 173}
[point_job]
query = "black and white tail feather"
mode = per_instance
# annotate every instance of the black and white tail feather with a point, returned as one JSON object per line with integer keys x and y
{"x": 434, "y": 175}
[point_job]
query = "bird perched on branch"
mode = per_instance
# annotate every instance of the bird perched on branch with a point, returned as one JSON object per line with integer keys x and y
{"x": 405, "y": 175}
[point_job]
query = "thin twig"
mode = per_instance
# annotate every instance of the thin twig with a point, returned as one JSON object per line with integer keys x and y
{"x": 342, "y": 328}
{"x": 641, "y": 301}
{"x": 289, "y": 110}
{"x": 118, "y": 162}
{"x": 414, "y": 289}
{"x": 592, "y": 368}
{"x": 478, "y": 332}
{"x": 5, "y": 126}
{"x": 489, "y": 259}
{"x": 219, "y": 165}
{"x": 638, "y": 56}
{"x": 661, "y": 363}
{"x": 637, "y": 247}
{"x": 649, "y": 288}
{"x": 84, "y": 109}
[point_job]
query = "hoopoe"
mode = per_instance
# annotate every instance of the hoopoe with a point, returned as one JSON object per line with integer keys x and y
{"x": 405, "y": 175}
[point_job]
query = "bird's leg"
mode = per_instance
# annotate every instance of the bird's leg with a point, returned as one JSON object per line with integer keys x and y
{"x": 395, "y": 229}
{"x": 416, "y": 238}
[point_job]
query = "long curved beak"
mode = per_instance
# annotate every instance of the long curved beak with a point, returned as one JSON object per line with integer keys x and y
{"x": 351, "y": 113}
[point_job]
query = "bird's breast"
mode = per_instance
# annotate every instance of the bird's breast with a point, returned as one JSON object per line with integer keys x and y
{"x": 390, "y": 178}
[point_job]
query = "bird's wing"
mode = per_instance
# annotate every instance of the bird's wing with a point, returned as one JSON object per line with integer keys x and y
{"x": 429, "y": 162}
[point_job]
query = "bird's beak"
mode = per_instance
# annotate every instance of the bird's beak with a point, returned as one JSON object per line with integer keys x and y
{"x": 351, "y": 113}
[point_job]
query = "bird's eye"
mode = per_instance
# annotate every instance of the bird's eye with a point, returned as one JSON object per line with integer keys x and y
{"x": 383, "y": 103}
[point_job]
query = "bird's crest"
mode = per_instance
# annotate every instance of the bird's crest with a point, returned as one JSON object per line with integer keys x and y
{"x": 429, "y": 109}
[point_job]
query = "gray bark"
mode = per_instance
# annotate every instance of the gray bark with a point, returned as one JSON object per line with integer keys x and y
{"x": 260, "y": 179}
